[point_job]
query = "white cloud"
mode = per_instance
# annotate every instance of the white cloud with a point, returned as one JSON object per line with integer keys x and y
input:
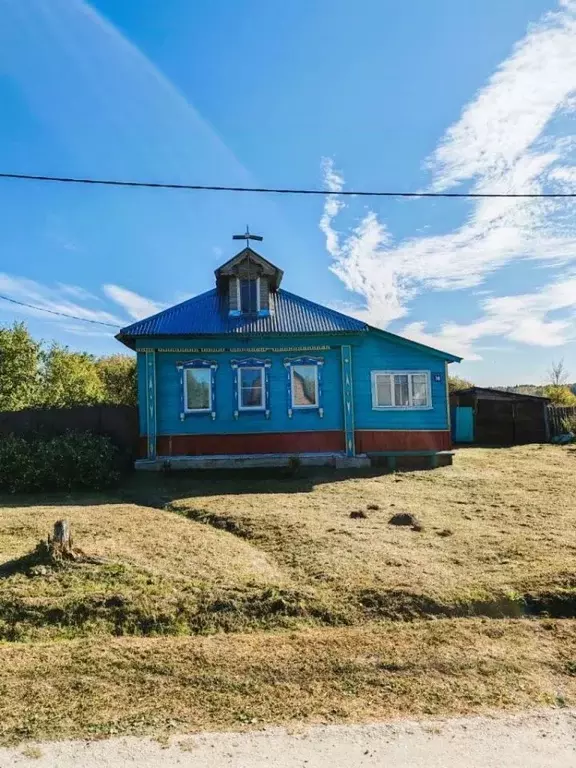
{"x": 54, "y": 299}
{"x": 506, "y": 140}
{"x": 57, "y": 299}
{"x": 333, "y": 205}
{"x": 77, "y": 292}
{"x": 135, "y": 305}
{"x": 524, "y": 318}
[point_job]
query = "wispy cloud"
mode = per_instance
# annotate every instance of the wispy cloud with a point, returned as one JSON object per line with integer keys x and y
{"x": 75, "y": 301}
{"x": 523, "y": 318}
{"x": 508, "y": 140}
{"x": 77, "y": 292}
{"x": 135, "y": 305}
{"x": 55, "y": 299}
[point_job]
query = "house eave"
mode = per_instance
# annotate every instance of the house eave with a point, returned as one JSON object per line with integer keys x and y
{"x": 131, "y": 341}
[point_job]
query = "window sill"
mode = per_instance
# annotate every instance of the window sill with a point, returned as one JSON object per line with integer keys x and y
{"x": 203, "y": 412}
{"x": 244, "y": 411}
{"x": 402, "y": 407}
{"x": 305, "y": 407}
{"x": 251, "y": 410}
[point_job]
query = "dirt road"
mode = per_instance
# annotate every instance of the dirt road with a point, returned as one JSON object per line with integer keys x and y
{"x": 539, "y": 740}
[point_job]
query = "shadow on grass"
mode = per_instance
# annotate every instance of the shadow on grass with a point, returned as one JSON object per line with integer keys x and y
{"x": 157, "y": 489}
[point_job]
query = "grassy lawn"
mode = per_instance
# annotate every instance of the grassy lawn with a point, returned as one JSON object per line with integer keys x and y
{"x": 231, "y": 598}
{"x": 91, "y": 688}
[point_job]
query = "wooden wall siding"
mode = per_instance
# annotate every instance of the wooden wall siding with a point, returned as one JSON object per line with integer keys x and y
{"x": 378, "y": 354}
{"x": 248, "y": 269}
{"x": 264, "y": 293}
{"x": 503, "y": 422}
{"x": 370, "y": 352}
{"x": 417, "y": 440}
{"x": 168, "y": 397}
{"x": 278, "y": 442}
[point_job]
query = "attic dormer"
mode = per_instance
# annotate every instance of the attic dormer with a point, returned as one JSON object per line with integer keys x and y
{"x": 247, "y": 281}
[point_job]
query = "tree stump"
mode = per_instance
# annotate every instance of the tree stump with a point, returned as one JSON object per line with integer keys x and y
{"x": 60, "y": 543}
{"x": 59, "y": 550}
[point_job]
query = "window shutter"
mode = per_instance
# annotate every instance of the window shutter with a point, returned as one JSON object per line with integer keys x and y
{"x": 264, "y": 293}
{"x": 233, "y": 295}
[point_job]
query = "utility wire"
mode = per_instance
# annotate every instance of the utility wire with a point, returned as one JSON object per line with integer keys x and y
{"x": 280, "y": 190}
{"x": 53, "y": 312}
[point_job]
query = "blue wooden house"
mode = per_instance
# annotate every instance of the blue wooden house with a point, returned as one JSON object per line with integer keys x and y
{"x": 250, "y": 374}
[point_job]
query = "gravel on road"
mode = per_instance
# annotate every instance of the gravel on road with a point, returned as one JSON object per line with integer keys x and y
{"x": 539, "y": 740}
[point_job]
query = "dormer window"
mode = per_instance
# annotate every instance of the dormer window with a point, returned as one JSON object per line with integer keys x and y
{"x": 247, "y": 283}
{"x": 249, "y": 300}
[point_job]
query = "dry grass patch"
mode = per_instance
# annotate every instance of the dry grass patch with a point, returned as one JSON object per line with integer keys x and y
{"x": 497, "y": 524}
{"x": 90, "y": 688}
{"x": 495, "y": 535}
{"x": 143, "y": 537}
{"x": 160, "y": 574}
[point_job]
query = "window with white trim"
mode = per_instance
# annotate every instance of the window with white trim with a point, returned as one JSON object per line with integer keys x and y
{"x": 251, "y": 389}
{"x": 198, "y": 389}
{"x": 401, "y": 389}
{"x": 304, "y": 386}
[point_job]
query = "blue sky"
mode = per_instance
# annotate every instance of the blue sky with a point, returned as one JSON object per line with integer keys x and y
{"x": 439, "y": 95}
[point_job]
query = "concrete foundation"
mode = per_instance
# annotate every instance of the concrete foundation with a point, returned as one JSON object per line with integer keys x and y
{"x": 339, "y": 461}
{"x": 411, "y": 460}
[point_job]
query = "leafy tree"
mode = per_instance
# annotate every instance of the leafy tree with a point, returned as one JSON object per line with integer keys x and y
{"x": 455, "y": 383}
{"x": 69, "y": 378}
{"x": 560, "y": 394}
{"x": 118, "y": 376}
{"x": 19, "y": 359}
{"x": 558, "y": 390}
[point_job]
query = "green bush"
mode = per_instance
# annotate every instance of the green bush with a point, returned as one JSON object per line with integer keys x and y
{"x": 61, "y": 462}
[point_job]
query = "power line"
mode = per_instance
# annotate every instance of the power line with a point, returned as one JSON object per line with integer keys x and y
{"x": 60, "y": 314}
{"x": 281, "y": 190}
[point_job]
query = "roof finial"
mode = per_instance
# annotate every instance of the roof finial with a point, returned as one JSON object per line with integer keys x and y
{"x": 247, "y": 236}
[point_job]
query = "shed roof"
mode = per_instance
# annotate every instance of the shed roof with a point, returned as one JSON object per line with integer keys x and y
{"x": 497, "y": 393}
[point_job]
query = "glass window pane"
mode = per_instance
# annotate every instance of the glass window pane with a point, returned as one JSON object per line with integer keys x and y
{"x": 198, "y": 388}
{"x": 420, "y": 389}
{"x": 304, "y": 390}
{"x": 401, "y": 394}
{"x": 251, "y": 388}
{"x": 249, "y": 295}
{"x": 383, "y": 390}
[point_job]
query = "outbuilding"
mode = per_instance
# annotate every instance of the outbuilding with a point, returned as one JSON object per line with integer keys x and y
{"x": 495, "y": 417}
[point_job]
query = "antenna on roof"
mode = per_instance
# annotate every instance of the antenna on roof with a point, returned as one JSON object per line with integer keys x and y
{"x": 247, "y": 236}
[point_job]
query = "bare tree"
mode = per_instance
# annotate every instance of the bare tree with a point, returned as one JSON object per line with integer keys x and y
{"x": 558, "y": 373}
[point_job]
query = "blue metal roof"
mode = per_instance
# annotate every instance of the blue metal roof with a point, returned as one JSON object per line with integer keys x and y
{"x": 207, "y": 314}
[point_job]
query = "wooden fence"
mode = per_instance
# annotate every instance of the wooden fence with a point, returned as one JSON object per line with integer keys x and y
{"x": 119, "y": 422}
{"x": 557, "y": 418}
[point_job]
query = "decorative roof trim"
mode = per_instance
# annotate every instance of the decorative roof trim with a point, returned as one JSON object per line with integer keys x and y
{"x": 270, "y": 270}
